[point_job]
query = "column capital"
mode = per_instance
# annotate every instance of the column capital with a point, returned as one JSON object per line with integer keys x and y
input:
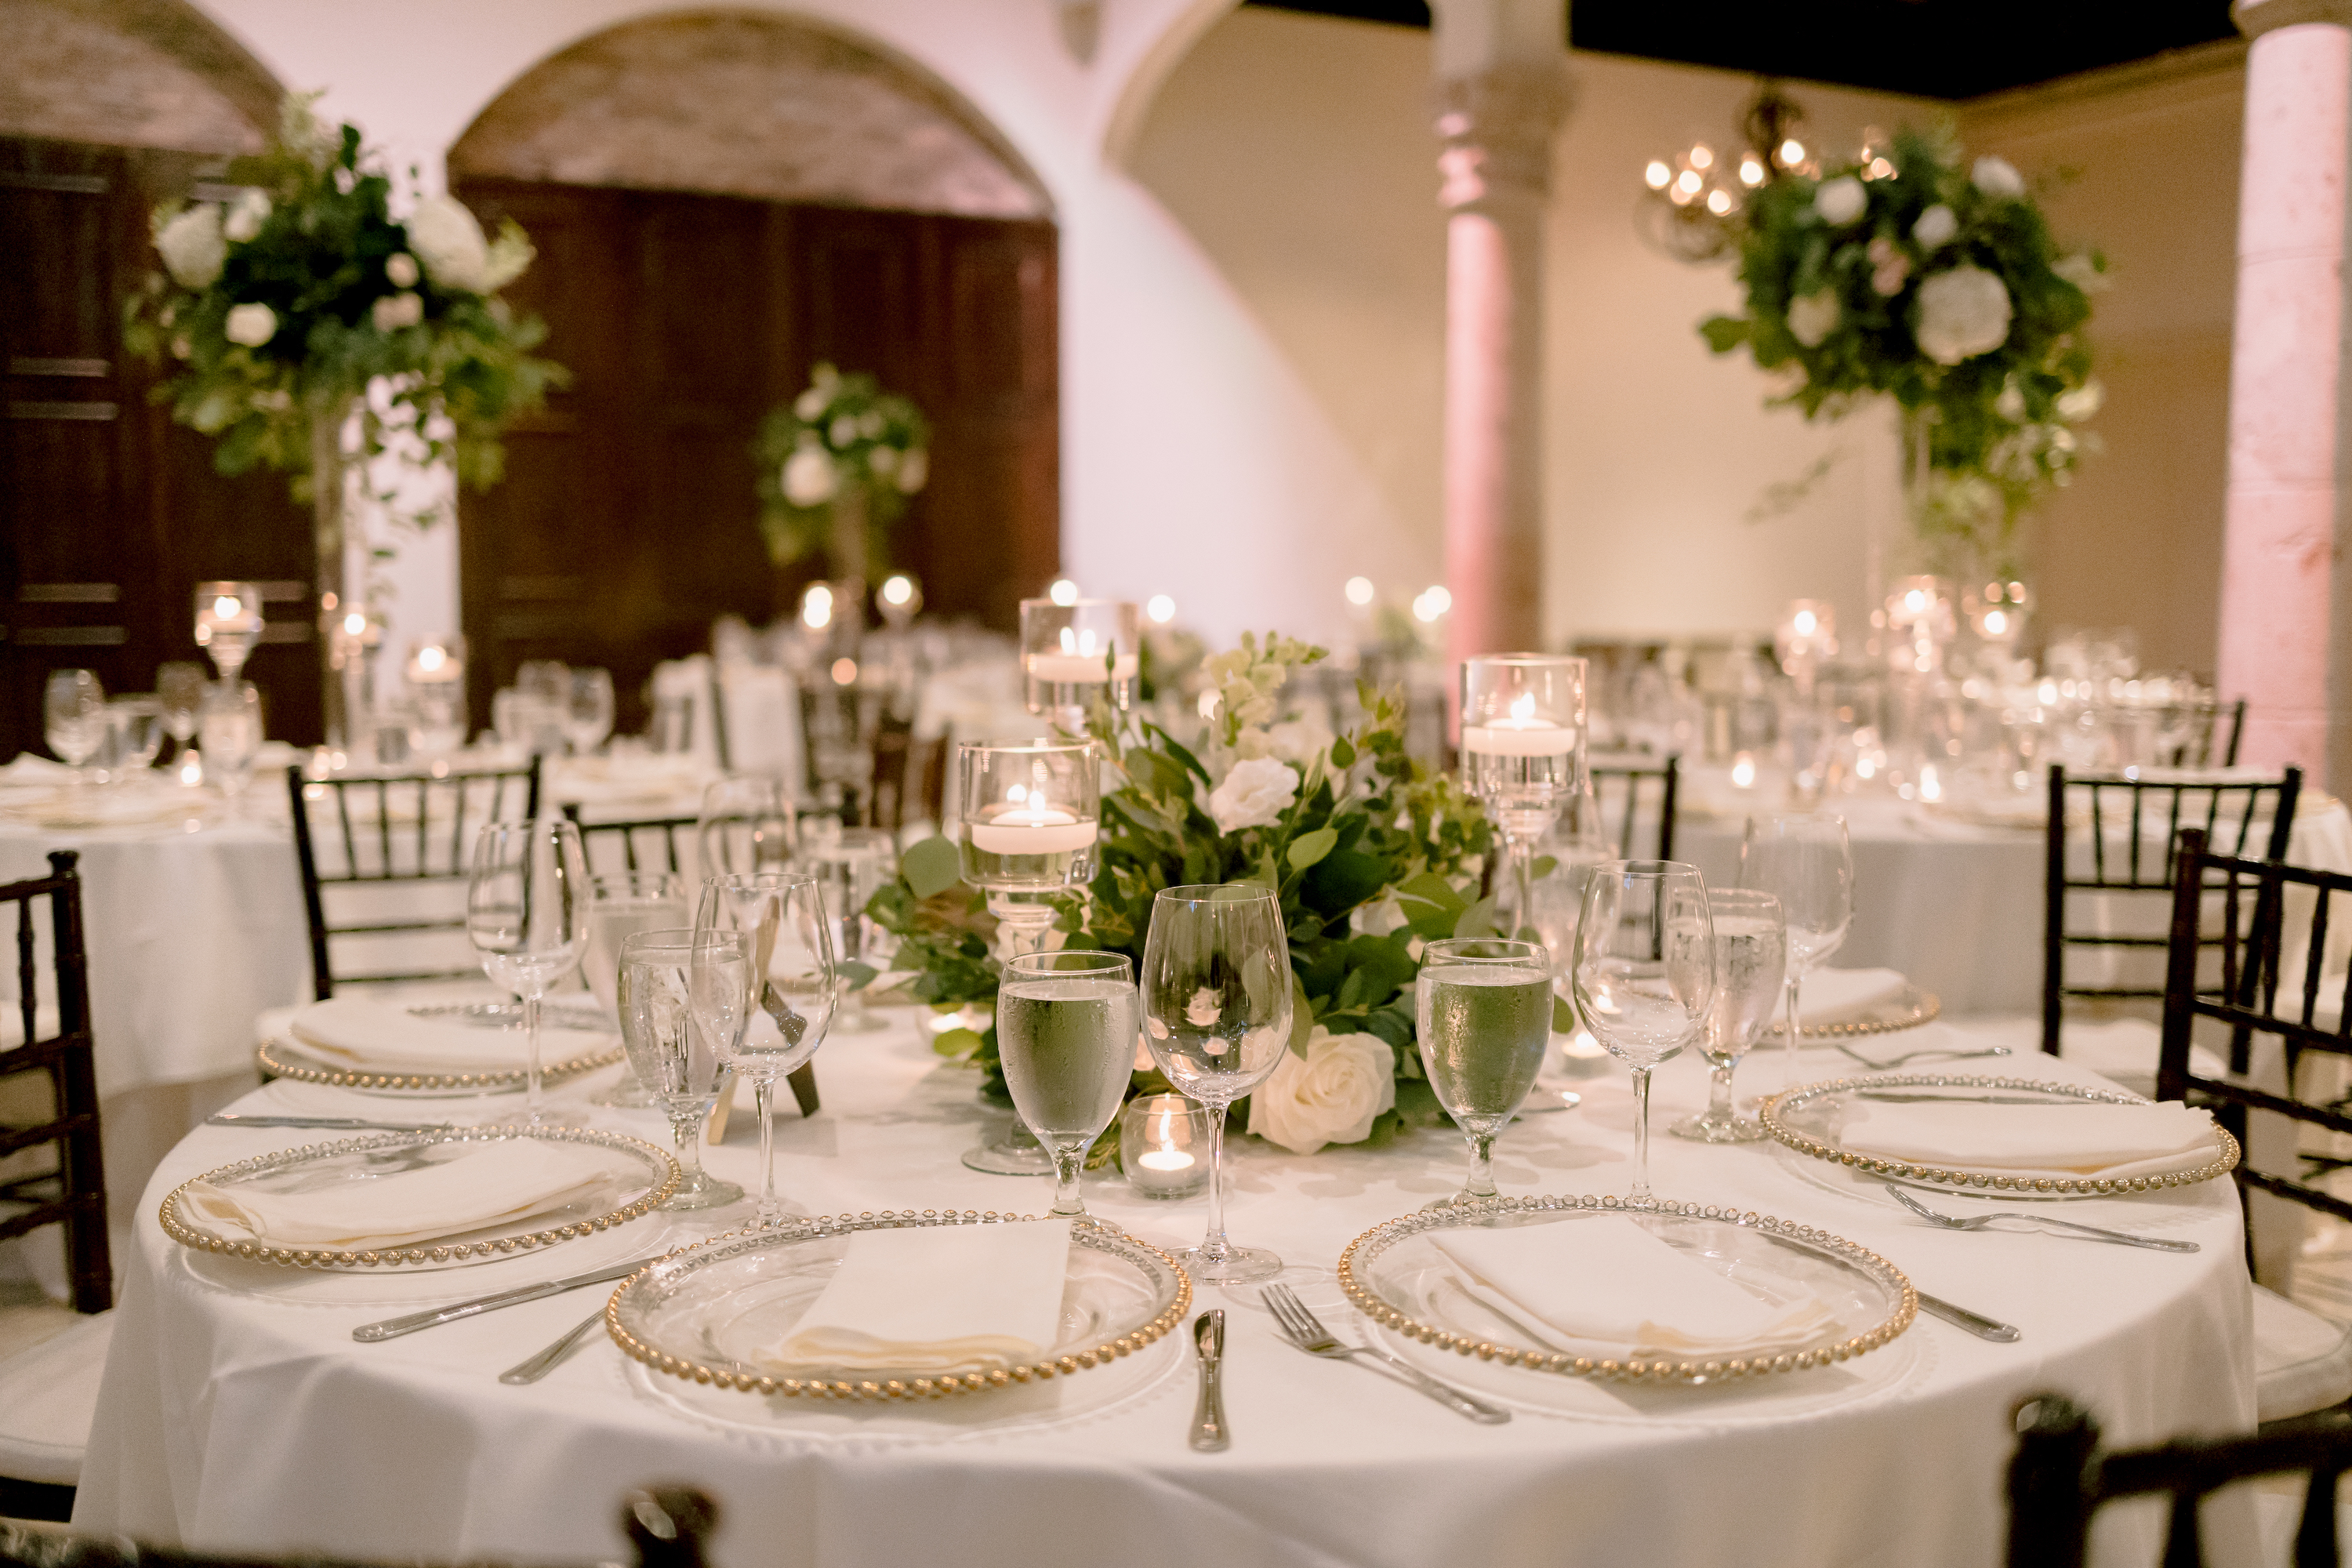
{"x": 1496, "y": 129}
{"x": 2255, "y": 17}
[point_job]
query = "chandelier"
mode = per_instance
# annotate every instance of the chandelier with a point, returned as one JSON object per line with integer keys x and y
{"x": 1691, "y": 209}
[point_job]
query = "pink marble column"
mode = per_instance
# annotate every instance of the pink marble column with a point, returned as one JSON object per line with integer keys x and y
{"x": 2286, "y": 607}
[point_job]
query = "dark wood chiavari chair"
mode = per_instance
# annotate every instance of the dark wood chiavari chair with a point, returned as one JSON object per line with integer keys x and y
{"x": 1639, "y": 788}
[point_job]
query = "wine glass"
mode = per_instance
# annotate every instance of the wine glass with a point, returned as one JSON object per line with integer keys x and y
{"x": 1644, "y": 974}
{"x": 1752, "y": 960}
{"x": 745, "y": 826}
{"x": 850, "y": 864}
{"x": 1217, "y": 1013}
{"x": 588, "y": 713}
{"x": 620, "y": 905}
{"x": 527, "y": 912}
{"x": 1483, "y": 1021}
{"x": 182, "y": 688}
{"x": 229, "y": 727}
{"x": 671, "y": 1054}
{"x": 137, "y": 723}
{"x": 1805, "y": 861}
{"x": 784, "y": 998}
{"x": 73, "y": 716}
{"x": 1066, "y": 1034}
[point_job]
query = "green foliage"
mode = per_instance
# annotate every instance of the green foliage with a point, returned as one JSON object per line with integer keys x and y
{"x": 843, "y": 435}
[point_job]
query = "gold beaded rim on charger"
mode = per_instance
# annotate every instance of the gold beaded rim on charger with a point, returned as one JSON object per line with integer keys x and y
{"x": 1908, "y": 1010}
{"x": 1962, "y": 1179}
{"x": 1660, "y": 1370}
{"x": 1093, "y": 1234}
{"x": 188, "y": 1235}
{"x": 278, "y": 1065}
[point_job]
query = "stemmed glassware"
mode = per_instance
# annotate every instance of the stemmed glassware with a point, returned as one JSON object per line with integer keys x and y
{"x": 527, "y": 912}
{"x": 670, "y": 1052}
{"x": 746, "y": 826}
{"x": 588, "y": 713}
{"x": 1216, "y": 1014}
{"x": 621, "y": 904}
{"x": 1066, "y": 1034}
{"x": 768, "y": 1014}
{"x": 230, "y": 729}
{"x": 136, "y": 726}
{"x": 228, "y": 623}
{"x": 1522, "y": 755}
{"x": 73, "y": 717}
{"x": 1807, "y": 862}
{"x": 1482, "y": 1007}
{"x": 1644, "y": 974}
{"x": 1751, "y": 959}
{"x": 181, "y": 686}
{"x": 850, "y": 864}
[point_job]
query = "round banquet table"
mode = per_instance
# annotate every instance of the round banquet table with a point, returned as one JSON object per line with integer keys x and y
{"x": 238, "y": 1415}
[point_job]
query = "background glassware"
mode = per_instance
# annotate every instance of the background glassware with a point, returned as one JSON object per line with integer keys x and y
{"x": 588, "y": 709}
{"x": 620, "y": 905}
{"x": 1644, "y": 974}
{"x": 1752, "y": 960}
{"x": 1523, "y": 755}
{"x": 527, "y": 912}
{"x": 528, "y": 721}
{"x": 136, "y": 724}
{"x": 786, "y": 991}
{"x": 1483, "y": 1020}
{"x": 181, "y": 686}
{"x": 228, "y": 623}
{"x": 745, "y": 826}
{"x": 1066, "y": 1034}
{"x": 1217, "y": 1013}
{"x": 1806, "y": 862}
{"x": 1076, "y": 654}
{"x": 73, "y": 716}
{"x": 670, "y": 1053}
{"x": 850, "y": 864}
{"x": 229, "y": 730}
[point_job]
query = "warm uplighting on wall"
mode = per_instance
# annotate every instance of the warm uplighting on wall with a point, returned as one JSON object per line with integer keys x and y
{"x": 1160, "y": 609}
{"x": 1063, "y": 592}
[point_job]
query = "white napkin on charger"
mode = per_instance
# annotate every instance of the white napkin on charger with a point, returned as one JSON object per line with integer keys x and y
{"x": 508, "y": 1180}
{"x": 935, "y": 1300}
{"x": 1833, "y": 995}
{"x": 2058, "y": 1138}
{"x": 1607, "y": 1282}
{"x": 352, "y": 1031}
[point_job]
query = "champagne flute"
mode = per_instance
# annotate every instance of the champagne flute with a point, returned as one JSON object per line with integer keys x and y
{"x": 671, "y": 1055}
{"x": 230, "y": 729}
{"x": 786, "y": 996}
{"x": 620, "y": 905}
{"x": 1807, "y": 862}
{"x": 1483, "y": 1021}
{"x": 1644, "y": 974}
{"x": 527, "y": 912}
{"x": 73, "y": 717}
{"x": 1751, "y": 959}
{"x": 1066, "y": 1034}
{"x": 1217, "y": 1015}
{"x": 746, "y": 826}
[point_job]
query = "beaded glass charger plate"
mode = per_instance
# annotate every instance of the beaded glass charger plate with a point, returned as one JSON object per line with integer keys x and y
{"x": 1816, "y": 1120}
{"x": 285, "y": 1057}
{"x": 1396, "y": 1276}
{"x": 637, "y": 1178}
{"x": 1906, "y": 1009}
{"x": 708, "y": 1312}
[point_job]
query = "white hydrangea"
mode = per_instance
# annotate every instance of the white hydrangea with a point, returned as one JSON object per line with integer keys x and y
{"x": 1963, "y": 311}
{"x": 393, "y": 312}
{"x": 447, "y": 239}
{"x": 2083, "y": 402}
{"x": 252, "y": 325}
{"x": 193, "y": 245}
{"x": 1840, "y": 201}
{"x": 1813, "y": 316}
{"x": 400, "y": 269}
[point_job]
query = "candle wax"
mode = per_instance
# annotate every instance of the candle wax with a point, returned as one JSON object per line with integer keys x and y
{"x": 1080, "y": 669}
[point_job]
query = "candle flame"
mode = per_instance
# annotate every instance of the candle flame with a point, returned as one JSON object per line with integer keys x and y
{"x": 431, "y": 657}
{"x": 1523, "y": 706}
{"x": 1807, "y": 623}
{"x": 225, "y": 606}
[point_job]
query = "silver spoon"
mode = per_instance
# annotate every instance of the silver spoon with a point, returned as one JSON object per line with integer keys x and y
{"x": 543, "y": 1364}
{"x": 1947, "y": 1052}
{"x": 2090, "y": 1232}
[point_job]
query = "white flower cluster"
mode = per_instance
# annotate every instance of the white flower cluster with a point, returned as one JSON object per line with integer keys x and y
{"x": 812, "y": 475}
{"x": 447, "y": 239}
{"x": 1963, "y": 311}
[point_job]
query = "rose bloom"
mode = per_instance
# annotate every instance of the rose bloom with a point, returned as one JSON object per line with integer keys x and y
{"x": 1936, "y": 227}
{"x": 448, "y": 239}
{"x": 252, "y": 325}
{"x": 1813, "y": 316}
{"x": 809, "y": 477}
{"x": 1255, "y": 792}
{"x": 1997, "y": 177}
{"x": 1963, "y": 311}
{"x": 1840, "y": 201}
{"x": 1332, "y": 1096}
{"x": 247, "y": 215}
{"x": 393, "y": 311}
{"x": 193, "y": 245}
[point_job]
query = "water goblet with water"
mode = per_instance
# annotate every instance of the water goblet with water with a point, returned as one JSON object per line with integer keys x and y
{"x": 182, "y": 688}
{"x": 784, "y": 998}
{"x": 1065, "y": 1032}
{"x": 230, "y": 731}
{"x": 136, "y": 732}
{"x": 1644, "y": 974}
{"x": 745, "y": 826}
{"x": 588, "y": 709}
{"x": 527, "y": 912}
{"x": 620, "y": 905}
{"x": 73, "y": 717}
{"x": 1482, "y": 1016}
{"x": 668, "y": 1051}
{"x": 1751, "y": 959}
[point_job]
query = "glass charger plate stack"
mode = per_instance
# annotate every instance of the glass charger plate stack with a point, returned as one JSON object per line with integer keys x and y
{"x": 1907, "y": 1009}
{"x": 285, "y": 1057}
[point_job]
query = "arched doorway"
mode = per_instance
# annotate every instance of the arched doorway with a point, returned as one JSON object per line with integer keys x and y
{"x": 721, "y": 201}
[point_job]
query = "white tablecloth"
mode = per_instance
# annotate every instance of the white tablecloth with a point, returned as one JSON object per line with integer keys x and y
{"x": 234, "y": 1420}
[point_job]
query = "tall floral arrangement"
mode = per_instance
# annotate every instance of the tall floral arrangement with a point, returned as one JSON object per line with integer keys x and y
{"x": 1909, "y": 275}
{"x": 1370, "y": 853}
{"x": 837, "y": 466}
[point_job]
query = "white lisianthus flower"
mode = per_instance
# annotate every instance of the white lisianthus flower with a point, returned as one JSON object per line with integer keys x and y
{"x": 1255, "y": 794}
{"x": 809, "y": 477}
{"x": 1936, "y": 227}
{"x": 193, "y": 245}
{"x": 1813, "y": 316}
{"x": 1331, "y": 1097}
{"x": 446, "y": 237}
{"x": 1840, "y": 201}
{"x": 252, "y": 325}
{"x": 914, "y": 468}
{"x": 400, "y": 269}
{"x": 1963, "y": 311}
{"x": 246, "y": 216}
{"x": 393, "y": 312}
{"x": 809, "y": 405}
{"x": 1997, "y": 177}
{"x": 2083, "y": 402}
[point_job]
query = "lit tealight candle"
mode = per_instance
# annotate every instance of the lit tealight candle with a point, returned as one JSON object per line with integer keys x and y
{"x": 1521, "y": 732}
{"x": 1743, "y": 771}
{"x": 1165, "y": 1160}
{"x": 1081, "y": 662}
{"x": 1031, "y": 830}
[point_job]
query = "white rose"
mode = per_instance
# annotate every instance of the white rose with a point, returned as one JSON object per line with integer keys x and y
{"x": 1331, "y": 1097}
{"x": 1936, "y": 227}
{"x": 913, "y": 469}
{"x": 1963, "y": 311}
{"x": 2083, "y": 402}
{"x": 809, "y": 477}
{"x": 1840, "y": 201}
{"x": 400, "y": 269}
{"x": 1813, "y": 316}
{"x": 448, "y": 241}
{"x": 192, "y": 247}
{"x": 252, "y": 325}
{"x": 247, "y": 215}
{"x": 1997, "y": 177}
{"x": 393, "y": 312}
{"x": 1257, "y": 790}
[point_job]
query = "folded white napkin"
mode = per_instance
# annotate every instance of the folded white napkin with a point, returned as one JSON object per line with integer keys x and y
{"x": 1833, "y": 995}
{"x": 2058, "y": 1138}
{"x": 935, "y": 1300}
{"x": 355, "y": 1031}
{"x": 496, "y": 1182}
{"x": 1607, "y": 1282}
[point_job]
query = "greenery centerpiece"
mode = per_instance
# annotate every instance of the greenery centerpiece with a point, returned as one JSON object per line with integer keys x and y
{"x": 1907, "y": 276}
{"x": 837, "y": 466}
{"x": 1370, "y": 852}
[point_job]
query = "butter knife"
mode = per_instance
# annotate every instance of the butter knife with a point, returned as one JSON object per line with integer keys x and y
{"x": 1209, "y": 1433}
{"x": 1984, "y": 1328}
{"x": 393, "y": 1328}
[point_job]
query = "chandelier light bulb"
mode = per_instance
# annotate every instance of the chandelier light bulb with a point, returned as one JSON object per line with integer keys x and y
{"x": 1657, "y": 174}
{"x": 1688, "y": 183}
{"x": 1792, "y": 152}
{"x": 1719, "y": 202}
{"x": 1702, "y": 157}
{"x": 1160, "y": 609}
{"x": 1063, "y": 592}
{"x": 1751, "y": 173}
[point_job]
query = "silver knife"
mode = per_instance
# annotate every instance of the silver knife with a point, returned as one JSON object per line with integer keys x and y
{"x": 335, "y": 1123}
{"x": 1892, "y": 1097}
{"x": 393, "y": 1328}
{"x": 1209, "y": 1433}
{"x": 1984, "y": 1328}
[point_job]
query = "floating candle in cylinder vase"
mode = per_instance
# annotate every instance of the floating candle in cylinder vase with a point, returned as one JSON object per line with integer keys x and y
{"x": 1075, "y": 655}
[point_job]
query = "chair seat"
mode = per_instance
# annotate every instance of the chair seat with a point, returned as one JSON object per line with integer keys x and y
{"x": 47, "y": 1395}
{"x": 2302, "y": 1361}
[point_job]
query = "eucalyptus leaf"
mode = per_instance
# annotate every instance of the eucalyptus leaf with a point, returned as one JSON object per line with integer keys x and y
{"x": 1308, "y": 849}
{"x": 860, "y": 975}
{"x": 1302, "y": 1018}
{"x": 931, "y": 867}
{"x": 1477, "y": 920}
{"x": 957, "y": 1043}
{"x": 1563, "y": 1016}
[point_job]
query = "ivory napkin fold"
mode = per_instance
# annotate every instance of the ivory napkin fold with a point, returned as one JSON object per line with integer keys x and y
{"x": 2061, "y": 1139}
{"x": 1833, "y": 995}
{"x": 935, "y": 1300}
{"x": 1608, "y": 1281}
{"x": 508, "y": 1180}
{"x": 355, "y": 1032}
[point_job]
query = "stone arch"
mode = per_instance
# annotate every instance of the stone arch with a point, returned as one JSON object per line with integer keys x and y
{"x": 749, "y": 103}
{"x": 136, "y": 73}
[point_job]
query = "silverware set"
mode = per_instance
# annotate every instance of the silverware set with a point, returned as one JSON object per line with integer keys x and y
{"x": 2047, "y": 1224}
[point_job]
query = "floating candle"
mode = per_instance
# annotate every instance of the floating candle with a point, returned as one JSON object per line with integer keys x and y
{"x": 1518, "y": 738}
{"x": 1031, "y": 830}
{"x": 1081, "y": 669}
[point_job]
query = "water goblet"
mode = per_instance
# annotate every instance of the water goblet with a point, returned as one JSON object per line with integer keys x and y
{"x": 668, "y": 1051}
{"x": 1644, "y": 974}
{"x": 230, "y": 729}
{"x": 1806, "y": 861}
{"x": 850, "y": 864}
{"x": 745, "y": 826}
{"x": 1483, "y": 1022}
{"x": 527, "y": 912}
{"x": 588, "y": 709}
{"x": 73, "y": 717}
{"x": 1065, "y": 1031}
{"x": 1752, "y": 960}
{"x": 137, "y": 727}
{"x": 783, "y": 1002}
{"x": 620, "y": 905}
{"x": 1217, "y": 1013}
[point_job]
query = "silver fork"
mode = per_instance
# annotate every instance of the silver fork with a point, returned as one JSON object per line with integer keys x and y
{"x": 1302, "y": 1328}
{"x": 1978, "y": 1222}
{"x": 1944, "y": 1051}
